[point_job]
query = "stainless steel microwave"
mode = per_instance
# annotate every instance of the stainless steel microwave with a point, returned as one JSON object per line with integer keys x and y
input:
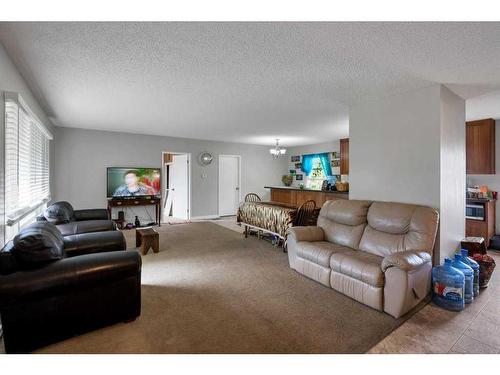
{"x": 474, "y": 211}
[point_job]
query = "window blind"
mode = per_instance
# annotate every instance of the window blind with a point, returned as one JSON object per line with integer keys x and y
{"x": 27, "y": 169}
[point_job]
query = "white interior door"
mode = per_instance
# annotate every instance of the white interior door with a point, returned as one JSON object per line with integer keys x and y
{"x": 229, "y": 184}
{"x": 179, "y": 186}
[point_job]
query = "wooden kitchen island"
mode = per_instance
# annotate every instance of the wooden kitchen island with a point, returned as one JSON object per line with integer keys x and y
{"x": 296, "y": 196}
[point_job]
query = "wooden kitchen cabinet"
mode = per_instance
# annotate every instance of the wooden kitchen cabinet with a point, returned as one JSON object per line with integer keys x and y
{"x": 297, "y": 196}
{"x": 344, "y": 156}
{"x": 482, "y": 228}
{"x": 480, "y": 146}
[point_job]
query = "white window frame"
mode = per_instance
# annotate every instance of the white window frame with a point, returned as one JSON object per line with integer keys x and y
{"x": 40, "y": 169}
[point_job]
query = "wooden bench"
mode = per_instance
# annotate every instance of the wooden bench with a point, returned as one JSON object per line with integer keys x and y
{"x": 146, "y": 239}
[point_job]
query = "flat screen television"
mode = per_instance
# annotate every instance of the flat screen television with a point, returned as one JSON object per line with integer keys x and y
{"x": 133, "y": 182}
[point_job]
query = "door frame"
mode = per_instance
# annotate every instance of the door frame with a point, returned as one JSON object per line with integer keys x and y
{"x": 190, "y": 177}
{"x": 219, "y": 183}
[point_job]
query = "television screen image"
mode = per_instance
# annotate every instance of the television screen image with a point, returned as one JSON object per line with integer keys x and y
{"x": 133, "y": 182}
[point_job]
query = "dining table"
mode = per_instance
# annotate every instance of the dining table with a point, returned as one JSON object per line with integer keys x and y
{"x": 271, "y": 217}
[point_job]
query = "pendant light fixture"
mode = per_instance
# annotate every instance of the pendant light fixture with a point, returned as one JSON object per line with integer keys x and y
{"x": 277, "y": 151}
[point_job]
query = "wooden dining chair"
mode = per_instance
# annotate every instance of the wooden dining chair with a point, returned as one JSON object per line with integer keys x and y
{"x": 305, "y": 213}
{"x": 252, "y": 197}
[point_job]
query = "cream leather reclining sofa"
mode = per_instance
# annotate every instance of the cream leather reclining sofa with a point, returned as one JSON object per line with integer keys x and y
{"x": 378, "y": 253}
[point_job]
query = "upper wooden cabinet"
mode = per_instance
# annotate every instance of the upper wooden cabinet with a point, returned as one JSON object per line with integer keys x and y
{"x": 480, "y": 146}
{"x": 344, "y": 156}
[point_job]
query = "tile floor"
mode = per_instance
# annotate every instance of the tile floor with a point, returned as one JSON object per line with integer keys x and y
{"x": 229, "y": 222}
{"x": 476, "y": 330}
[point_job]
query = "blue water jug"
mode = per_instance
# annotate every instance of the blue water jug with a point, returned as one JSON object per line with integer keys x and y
{"x": 448, "y": 286}
{"x": 469, "y": 277}
{"x": 475, "y": 267}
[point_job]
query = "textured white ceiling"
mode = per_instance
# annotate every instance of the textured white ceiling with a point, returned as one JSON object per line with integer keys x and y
{"x": 244, "y": 82}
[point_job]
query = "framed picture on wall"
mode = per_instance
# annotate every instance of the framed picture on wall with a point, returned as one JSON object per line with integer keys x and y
{"x": 335, "y": 163}
{"x": 298, "y": 165}
{"x": 292, "y": 171}
{"x": 299, "y": 177}
{"x": 295, "y": 159}
{"x": 335, "y": 155}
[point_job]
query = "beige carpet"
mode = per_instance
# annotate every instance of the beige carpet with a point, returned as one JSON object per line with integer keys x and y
{"x": 210, "y": 290}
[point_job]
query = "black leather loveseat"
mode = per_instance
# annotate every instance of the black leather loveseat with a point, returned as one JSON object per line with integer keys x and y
{"x": 70, "y": 221}
{"x": 54, "y": 287}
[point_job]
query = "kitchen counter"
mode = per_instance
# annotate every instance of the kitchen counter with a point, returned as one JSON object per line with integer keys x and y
{"x": 297, "y": 196}
{"x": 305, "y": 189}
{"x": 478, "y": 200}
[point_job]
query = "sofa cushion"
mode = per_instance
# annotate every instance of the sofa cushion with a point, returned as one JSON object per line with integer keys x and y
{"x": 37, "y": 243}
{"x": 319, "y": 252}
{"x": 88, "y": 226}
{"x": 347, "y": 212}
{"x": 95, "y": 242}
{"x": 344, "y": 221}
{"x": 359, "y": 265}
{"x": 391, "y": 218}
{"x": 59, "y": 213}
{"x": 313, "y": 271}
{"x": 396, "y": 227}
{"x": 360, "y": 291}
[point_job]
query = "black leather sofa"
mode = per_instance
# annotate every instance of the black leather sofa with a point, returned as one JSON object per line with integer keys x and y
{"x": 71, "y": 222}
{"x": 54, "y": 287}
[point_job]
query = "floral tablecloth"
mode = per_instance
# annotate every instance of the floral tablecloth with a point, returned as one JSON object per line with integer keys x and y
{"x": 275, "y": 217}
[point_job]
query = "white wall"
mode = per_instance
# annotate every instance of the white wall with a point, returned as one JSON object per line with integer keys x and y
{"x": 491, "y": 180}
{"x": 317, "y": 148}
{"x": 81, "y": 158}
{"x": 11, "y": 80}
{"x": 394, "y": 148}
{"x": 409, "y": 148}
{"x": 452, "y": 201}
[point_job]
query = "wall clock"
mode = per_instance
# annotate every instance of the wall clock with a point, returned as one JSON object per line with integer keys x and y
{"x": 205, "y": 158}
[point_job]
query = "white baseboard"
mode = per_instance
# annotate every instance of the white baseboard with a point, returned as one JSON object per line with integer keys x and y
{"x": 208, "y": 217}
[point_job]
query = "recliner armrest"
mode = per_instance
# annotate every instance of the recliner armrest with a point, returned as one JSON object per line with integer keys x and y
{"x": 309, "y": 233}
{"x": 406, "y": 260}
{"x": 91, "y": 214}
{"x": 68, "y": 275}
